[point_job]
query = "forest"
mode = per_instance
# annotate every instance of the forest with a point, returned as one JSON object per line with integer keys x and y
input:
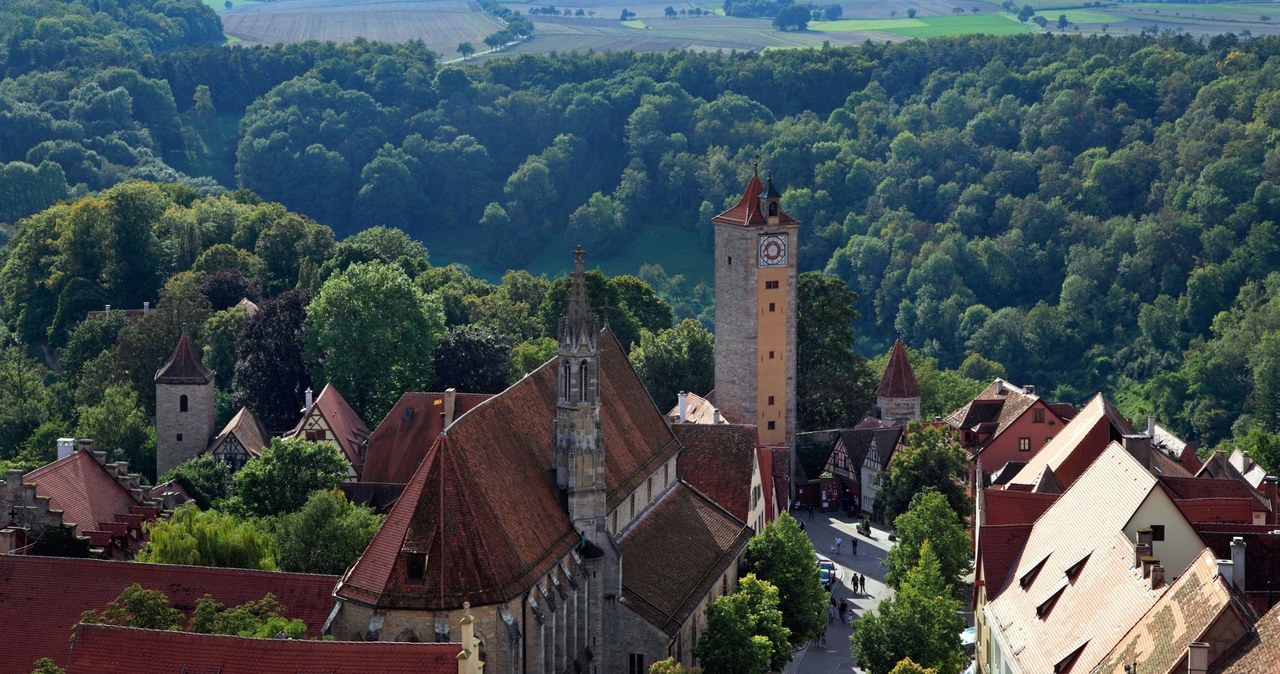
{"x": 1079, "y": 213}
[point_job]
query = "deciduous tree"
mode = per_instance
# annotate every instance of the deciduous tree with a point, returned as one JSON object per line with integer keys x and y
{"x": 783, "y": 556}
{"x": 204, "y": 478}
{"x": 677, "y": 359}
{"x": 285, "y": 475}
{"x": 929, "y": 521}
{"x": 920, "y": 621}
{"x": 344, "y": 527}
{"x": 209, "y": 538}
{"x": 270, "y": 376}
{"x": 744, "y": 632}
{"x": 834, "y": 386}
{"x": 137, "y": 607}
{"x": 931, "y": 458}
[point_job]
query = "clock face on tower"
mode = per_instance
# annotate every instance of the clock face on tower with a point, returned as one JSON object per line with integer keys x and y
{"x": 773, "y": 251}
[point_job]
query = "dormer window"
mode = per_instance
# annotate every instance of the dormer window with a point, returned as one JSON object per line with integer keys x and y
{"x": 415, "y": 567}
{"x": 1042, "y": 611}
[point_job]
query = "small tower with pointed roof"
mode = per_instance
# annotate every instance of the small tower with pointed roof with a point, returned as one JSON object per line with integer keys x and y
{"x": 184, "y": 407}
{"x": 579, "y": 448}
{"x": 898, "y": 395}
{"x": 755, "y": 362}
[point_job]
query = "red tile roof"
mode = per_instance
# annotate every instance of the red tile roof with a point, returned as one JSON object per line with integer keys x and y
{"x": 674, "y": 555}
{"x": 97, "y": 649}
{"x": 899, "y": 380}
{"x": 348, "y": 429}
{"x": 1259, "y": 652}
{"x": 184, "y": 366}
{"x": 41, "y": 598}
{"x": 1234, "y": 510}
{"x": 764, "y": 456}
{"x": 717, "y": 460}
{"x": 248, "y": 429}
{"x": 487, "y": 540}
{"x": 1002, "y": 507}
{"x": 999, "y": 405}
{"x": 83, "y": 490}
{"x": 747, "y": 210}
{"x": 1208, "y": 487}
{"x": 999, "y": 546}
{"x": 399, "y": 443}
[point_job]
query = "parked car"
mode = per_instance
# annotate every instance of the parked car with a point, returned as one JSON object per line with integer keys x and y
{"x": 828, "y": 573}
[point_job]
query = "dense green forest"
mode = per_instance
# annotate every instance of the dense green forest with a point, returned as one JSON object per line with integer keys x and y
{"x": 1083, "y": 214}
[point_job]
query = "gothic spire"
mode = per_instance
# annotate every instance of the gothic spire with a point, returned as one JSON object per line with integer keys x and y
{"x": 578, "y": 325}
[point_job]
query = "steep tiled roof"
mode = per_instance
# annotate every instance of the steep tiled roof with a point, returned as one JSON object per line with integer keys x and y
{"x": 1184, "y": 613}
{"x": 717, "y": 460}
{"x": 857, "y": 441}
{"x": 1258, "y": 653}
{"x": 899, "y": 380}
{"x": 747, "y": 210}
{"x": 184, "y": 366}
{"x": 397, "y": 445}
{"x": 697, "y": 410}
{"x": 349, "y": 430}
{"x": 1002, "y": 507}
{"x": 46, "y": 595}
{"x": 246, "y": 428}
{"x": 1070, "y": 452}
{"x": 1042, "y": 614}
{"x": 765, "y": 458}
{"x": 1236, "y": 510}
{"x": 483, "y": 504}
{"x": 1261, "y": 553}
{"x": 97, "y": 649}
{"x": 1252, "y": 472}
{"x": 82, "y": 489}
{"x": 998, "y": 405}
{"x": 675, "y": 553}
{"x": 1000, "y": 545}
{"x": 1206, "y": 487}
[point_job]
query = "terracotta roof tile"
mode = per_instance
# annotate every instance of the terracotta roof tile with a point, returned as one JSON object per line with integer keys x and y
{"x": 399, "y": 443}
{"x": 246, "y": 428}
{"x": 1207, "y": 487}
{"x": 899, "y": 380}
{"x": 1002, "y": 507}
{"x": 97, "y": 649}
{"x": 1236, "y": 510}
{"x": 718, "y": 460}
{"x": 675, "y": 554}
{"x": 1072, "y": 451}
{"x": 1262, "y": 556}
{"x": 999, "y": 405}
{"x": 1259, "y": 652}
{"x": 46, "y": 595}
{"x": 348, "y": 429}
{"x": 184, "y": 366}
{"x": 82, "y": 489}
{"x": 747, "y": 210}
{"x": 999, "y": 548}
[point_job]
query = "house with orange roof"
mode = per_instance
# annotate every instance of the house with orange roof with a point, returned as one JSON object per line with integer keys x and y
{"x": 243, "y": 438}
{"x": 329, "y": 418}
{"x": 1004, "y": 423}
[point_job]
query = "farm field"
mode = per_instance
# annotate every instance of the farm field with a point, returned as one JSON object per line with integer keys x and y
{"x": 441, "y": 24}
{"x": 929, "y": 26}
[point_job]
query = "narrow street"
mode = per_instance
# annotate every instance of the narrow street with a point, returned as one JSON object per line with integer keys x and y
{"x": 823, "y": 529}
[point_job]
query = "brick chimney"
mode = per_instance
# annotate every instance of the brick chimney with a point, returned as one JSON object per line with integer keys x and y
{"x": 1198, "y": 658}
{"x": 1141, "y": 551}
{"x": 1269, "y": 490}
{"x": 1139, "y": 446}
{"x": 1157, "y": 576}
{"x": 1237, "y": 563}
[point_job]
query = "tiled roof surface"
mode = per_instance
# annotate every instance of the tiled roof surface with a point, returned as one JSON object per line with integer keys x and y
{"x": 483, "y": 504}
{"x": 1000, "y": 403}
{"x": 1260, "y": 652}
{"x": 1164, "y": 465}
{"x": 184, "y": 366}
{"x": 898, "y": 381}
{"x": 1206, "y": 487}
{"x": 348, "y": 429}
{"x": 1261, "y": 554}
{"x": 1002, "y": 507}
{"x": 747, "y": 210}
{"x": 675, "y": 553}
{"x": 1159, "y": 640}
{"x": 246, "y": 428}
{"x": 46, "y": 595}
{"x": 1000, "y": 545}
{"x": 82, "y": 489}
{"x": 397, "y": 445}
{"x": 97, "y": 649}
{"x": 1236, "y": 510}
{"x": 697, "y": 410}
{"x": 718, "y": 460}
{"x": 764, "y": 456}
{"x": 1106, "y": 596}
{"x": 1070, "y": 452}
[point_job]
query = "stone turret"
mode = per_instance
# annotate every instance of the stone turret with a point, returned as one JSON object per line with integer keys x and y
{"x": 184, "y": 407}
{"x": 898, "y": 395}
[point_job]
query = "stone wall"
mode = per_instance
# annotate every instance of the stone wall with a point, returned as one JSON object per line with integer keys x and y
{"x": 180, "y": 436}
{"x": 737, "y": 322}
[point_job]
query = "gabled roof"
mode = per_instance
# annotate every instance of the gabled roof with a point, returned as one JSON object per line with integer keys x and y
{"x": 747, "y": 211}
{"x": 899, "y": 380}
{"x": 697, "y": 410}
{"x": 46, "y": 595}
{"x": 994, "y": 409}
{"x": 1071, "y": 451}
{"x": 98, "y": 649}
{"x": 1185, "y": 612}
{"x": 1210, "y": 488}
{"x": 483, "y": 504}
{"x": 855, "y": 442}
{"x": 674, "y": 555}
{"x": 399, "y": 443}
{"x": 1261, "y": 553}
{"x": 1104, "y": 597}
{"x": 184, "y": 366}
{"x": 1252, "y": 472}
{"x": 349, "y": 430}
{"x": 717, "y": 460}
{"x": 82, "y": 489}
{"x": 245, "y": 428}
{"x": 764, "y": 457}
{"x": 999, "y": 548}
{"x": 1258, "y": 652}
{"x": 1004, "y": 507}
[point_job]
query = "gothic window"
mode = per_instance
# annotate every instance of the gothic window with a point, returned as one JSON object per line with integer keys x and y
{"x": 583, "y": 369}
{"x": 182, "y": 403}
{"x": 568, "y": 380}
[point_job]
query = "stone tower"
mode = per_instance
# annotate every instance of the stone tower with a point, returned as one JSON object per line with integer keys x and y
{"x": 898, "y": 394}
{"x": 184, "y": 407}
{"x": 580, "y": 458}
{"x": 756, "y": 245}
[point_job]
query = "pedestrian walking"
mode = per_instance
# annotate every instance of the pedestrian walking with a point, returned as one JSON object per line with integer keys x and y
{"x": 838, "y": 542}
{"x": 810, "y": 511}
{"x": 854, "y": 582}
{"x": 802, "y": 526}
{"x": 822, "y": 640}
{"x": 862, "y": 582}
{"x": 853, "y": 543}
{"x": 844, "y": 608}
{"x": 831, "y": 614}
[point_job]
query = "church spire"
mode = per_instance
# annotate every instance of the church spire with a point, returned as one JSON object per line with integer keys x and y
{"x": 578, "y": 326}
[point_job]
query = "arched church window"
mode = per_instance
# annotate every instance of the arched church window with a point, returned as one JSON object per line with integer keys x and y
{"x": 568, "y": 380}
{"x": 182, "y": 403}
{"x": 582, "y": 384}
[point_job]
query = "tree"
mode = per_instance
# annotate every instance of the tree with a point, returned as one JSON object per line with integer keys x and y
{"x": 670, "y": 12}
{"x": 263, "y": 619}
{"x": 202, "y": 101}
{"x": 221, "y": 341}
{"x": 794, "y": 17}
{"x": 137, "y": 607}
{"x": 1026, "y": 13}
{"x": 209, "y": 538}
{"x": 929, "y": 520}
{"x": 283, "y": 478}
{"x": 911, "y": 13}
{"x": 1063, "y": 22}
{"x": 466, "y": 49}
{"x": 45, "y": 665}
{"x": 1040, "y": 21}
{"x": 834, "y": 386}
{"x": 921, "y": 622}
{"x": 204, "y": 478}
{"x": 674, "y": 360}
{"x": 372, "y": 333}
{"x": 670, "y": 666}
{"x": 473, "y": 358}
{"x": 345, "y": 528}
{"x": 909, "y": 666}
{"x": 744, "y": 632}
{"x": 24, "y": 400}
{"x": 931, "y": 458}
{"x": 120, "y": 428}
{"x": 270, "y": 376}
{"x": 88, "y": 340}
{"x": 783, "y": 556}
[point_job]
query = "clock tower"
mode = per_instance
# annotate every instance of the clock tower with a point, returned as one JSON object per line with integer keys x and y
{"x": 756, "y": 246}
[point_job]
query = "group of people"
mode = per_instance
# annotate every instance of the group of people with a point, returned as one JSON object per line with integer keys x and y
{"x": 839, "y": 543}
{"x": 839, "y": 607}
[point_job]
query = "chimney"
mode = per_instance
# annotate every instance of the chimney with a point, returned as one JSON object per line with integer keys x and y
{"x": 1269, "y": 490}
{"x": 1225, "y": 570}
{"x": 1151, "y": 427}
{"x": 1149, "y": 563}
{"x": 450, "y": 405}
{"x": 66, "y": 446}
{"x": 1157, "y": 576}
{"x": 1198, "y": 658}
{"x": 146, "y": 308}
{"x": 306, "y": 409}
{"x": 1146, "y": 537}
{"x": 1029, "y": 389}
{"x": 1140, "y": 552}
{"x": 1139, "y": 447}
{"x": 85, "y": 445}
{"x": 108, "y": 308}
{"x": 999, "y": 387}
{"x": 443, "y": 425}
{"x": 1237, "y": 563}
{"x": 683, "y": 405}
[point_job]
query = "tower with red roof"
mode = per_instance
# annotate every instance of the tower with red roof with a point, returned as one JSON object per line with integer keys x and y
{"x": 184, "y": 407}
{"x": 898, "y": 394}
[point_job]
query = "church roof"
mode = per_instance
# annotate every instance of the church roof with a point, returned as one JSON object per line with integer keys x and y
{"x": 899, "y": 381}
{"x": 184, "y": 366}
{"x": 747, "y": 211}
{"x": 483, "y": 505}
{"x": 400, "y": 442}
{"x": 247, "y": 429}
{"x": 674, "y": 555}
{"x": 97, "y": 649}
{"x": 718, "y": 460}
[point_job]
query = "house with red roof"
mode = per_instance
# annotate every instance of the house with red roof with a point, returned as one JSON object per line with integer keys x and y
{"x": 329, "y": 418}
{"x": 400, "y": 442}
{"x": 1005, "y": 423}
{"x": 722, "y": 462}
{"x": 242, "y": 439}
{"x": 557, "y": 512}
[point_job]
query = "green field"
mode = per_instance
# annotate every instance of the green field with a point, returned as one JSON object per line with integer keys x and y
{"x": 1083, "y": 16}
{"x": 849, "y": 25}
{"x": 1236, "y": 10}
{"x": 929, "y": 26}
{"x": 221, "y": 5}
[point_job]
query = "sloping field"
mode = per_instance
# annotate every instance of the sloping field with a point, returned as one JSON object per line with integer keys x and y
{"x": 441, "y": 24}
{"x": 928, "y": 26}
